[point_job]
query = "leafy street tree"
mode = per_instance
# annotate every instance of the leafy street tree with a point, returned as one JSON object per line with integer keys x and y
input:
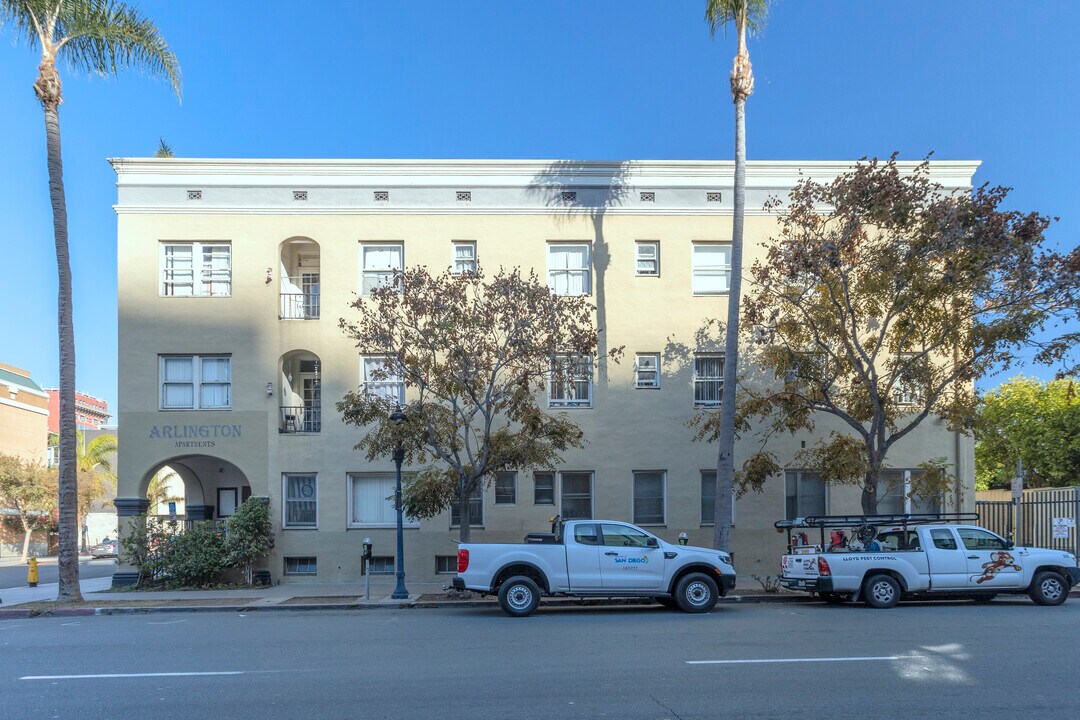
{"x": 97, "y": 37}
{"x": 882, "y": 312}
{"x": 475, "y": 354}
{"x": 95, "y": 472}
{"x": 30, "y": 490}
{"x": 747, "y": 16}
{"x": 1034, "y": 421}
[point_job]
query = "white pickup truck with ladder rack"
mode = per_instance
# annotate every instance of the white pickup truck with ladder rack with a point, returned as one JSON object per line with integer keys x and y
{"x": 889, "y": 557}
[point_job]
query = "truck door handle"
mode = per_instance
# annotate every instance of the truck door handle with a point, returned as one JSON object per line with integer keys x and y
{"x": 611, "y": 553}
{"x": 973, "y": 557}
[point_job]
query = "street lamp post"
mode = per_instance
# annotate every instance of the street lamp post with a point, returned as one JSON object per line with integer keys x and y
{"x": 400, "y": 593}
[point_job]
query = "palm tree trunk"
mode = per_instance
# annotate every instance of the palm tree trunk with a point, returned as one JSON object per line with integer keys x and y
{"x": 68, "y": 560}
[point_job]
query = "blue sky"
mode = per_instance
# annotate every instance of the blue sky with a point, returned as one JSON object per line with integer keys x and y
{"x": 633, "y": 79}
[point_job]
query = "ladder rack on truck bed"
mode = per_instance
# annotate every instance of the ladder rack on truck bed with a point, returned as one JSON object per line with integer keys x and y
{"x": 900, "y": 521}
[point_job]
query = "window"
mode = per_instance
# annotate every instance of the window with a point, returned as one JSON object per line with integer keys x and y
{"x": 506, "y": 488}
{"x": 623, "y": 536}
{"x": 943, "y": 539}
{"x": 300, "y": 566}
{"x": 190, "y": 382}
{"x": 301, "y": 501}
{"x": 371, "y": 502}
{"x": 648, "y": 258}
{"x": 975, "y": 539}
{"x": 543, "y": 488}
{"x": 569, "y": 268}
{"x": 379, "y": 382}
{"x": 476, "y": 510}
{"x": 576, "y": 495}
{"x": 905, "y": 388}
{"x": 586, "y": 535}
{"x": 379, "y": 262}
{"x": 708, "y": 380}
{"x": 196, "y": 269}
{"x": 383, "y": 565}
{"x": 648, "y": 497}
{"x": 894, "y": 487}
{"x": 226, "y": 502}
{"x": 446, "y": 564}
{"x": 571, "y": 382}
{"x": 805, "y": 494}
{"x": 708, "y": 499}
{"x": 647, "y": 370}
{"x": 464, "y": 257}
{"x": 711, "y": 268}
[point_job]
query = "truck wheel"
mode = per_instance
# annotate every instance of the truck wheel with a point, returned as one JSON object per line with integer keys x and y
{"x": 881, "y": 591}
{"x": 519, "y": 596}
{"x": 696, "y": 593}
{"x": 1048, "y": 588}
{"x": 833, "y": 598}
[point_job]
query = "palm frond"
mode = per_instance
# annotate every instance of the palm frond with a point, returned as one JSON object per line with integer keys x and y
{"x": 25, "y": 17}
{"x": 104, "y": 37}
{"x": 164, "y": 150}
{"x": 719, "y": 13}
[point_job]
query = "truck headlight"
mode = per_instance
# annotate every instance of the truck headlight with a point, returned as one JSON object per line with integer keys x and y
{"x": 726, "y": 559}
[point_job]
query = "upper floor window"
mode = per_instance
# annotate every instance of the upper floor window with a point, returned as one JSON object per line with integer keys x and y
{"x": 190, "y": 382}
{"x": 708, "y": 379}
{"x": 464, "y": 257}
{"x": 196, "y": 269}
{"x": 506, "y": 488}
{"x": 647, "y": 370}
{"x": 379, "y": 261}
{"x": 571, "y": 382}
{"x": 906, "y": 389}
{"x": 648, "y": 258}
{"x": 569, "y": 268}
{"x": 476, "y": 510}
{"x": 381, "y": 382}
{"x": 712, "y": 268}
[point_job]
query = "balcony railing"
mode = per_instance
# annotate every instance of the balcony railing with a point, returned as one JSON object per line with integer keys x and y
{"x": 300, "y": 418}
{"x": 300, "y": 306}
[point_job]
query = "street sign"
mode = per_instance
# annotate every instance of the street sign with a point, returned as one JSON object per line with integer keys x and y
{"x": 1018, "y": 487}
{"x": 172, "y": 509}
{"x": 1062, "y": 526}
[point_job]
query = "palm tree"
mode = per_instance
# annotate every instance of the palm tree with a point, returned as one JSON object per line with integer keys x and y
{"x": 164, "y": 150}
{"x": 98, "y": 37}
{"x": 95, "y": 472}
{"x": 748, "y": 16}
{"x": 159, "y": 491}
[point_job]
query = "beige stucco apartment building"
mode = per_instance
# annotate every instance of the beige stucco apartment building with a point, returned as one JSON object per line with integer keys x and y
{"x": 234, "y": 274}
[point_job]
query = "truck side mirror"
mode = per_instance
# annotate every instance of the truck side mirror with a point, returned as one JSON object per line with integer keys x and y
{"x": 652, "y": 542}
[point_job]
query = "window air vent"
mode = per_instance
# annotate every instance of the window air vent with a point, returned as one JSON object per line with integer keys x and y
{"x": 299, "y": 195}
{"x": 712, "y": 197}
{"x": 569, "y": 196}
{"x": 194, "y": 194}
{"x": 464, "y": 195}
{"x": 382, "y": 196}
{"x": 648, "y": 197}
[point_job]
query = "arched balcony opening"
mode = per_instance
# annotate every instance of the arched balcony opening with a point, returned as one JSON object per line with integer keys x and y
{"x": 300, "y": 400}
{"x": 299, "y": 274}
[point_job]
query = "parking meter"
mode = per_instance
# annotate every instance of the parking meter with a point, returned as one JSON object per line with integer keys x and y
{"x": 365, "y": 556}
{"x": 683, "y": 539}
{"x": 367, "y": 549}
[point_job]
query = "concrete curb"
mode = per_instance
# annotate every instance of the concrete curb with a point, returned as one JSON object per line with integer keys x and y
{"x": 16, "y": 613}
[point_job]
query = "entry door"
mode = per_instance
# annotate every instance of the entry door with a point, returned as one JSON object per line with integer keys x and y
{"x": 583, "y": 558}
{"x": 948, "y": 561}
{"x": 312, "y": 405}
{"x": 626, "y": 561}
{"x": 309, "y": 285}
{"x": 989, "y": 564}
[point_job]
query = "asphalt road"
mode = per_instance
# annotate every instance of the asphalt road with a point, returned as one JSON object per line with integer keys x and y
{"x": 1009, "y": 659}
{"x": 15, "y": 575}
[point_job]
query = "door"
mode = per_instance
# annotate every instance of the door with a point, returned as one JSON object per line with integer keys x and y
{"x": 312, "y": 405}
{"x": 948, "y": 561}
{"x": 309, "y": 284}
{"x": 990, "y": 563}
{"x": 583, "y": 558}
{"x": 626, "y": 560}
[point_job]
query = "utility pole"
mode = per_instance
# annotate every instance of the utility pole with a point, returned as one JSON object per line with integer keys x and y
{"x": 1018, "y": 499}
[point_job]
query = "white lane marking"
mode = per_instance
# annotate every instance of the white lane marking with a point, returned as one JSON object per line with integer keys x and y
{"x": 131, "y": 675}
{"x": 69, "y": 624}
{"x": 795, "y": 660}
{"x": 169, "y": 622}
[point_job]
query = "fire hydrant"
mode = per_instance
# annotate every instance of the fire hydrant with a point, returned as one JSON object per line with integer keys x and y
{"x": 31, "y": 572}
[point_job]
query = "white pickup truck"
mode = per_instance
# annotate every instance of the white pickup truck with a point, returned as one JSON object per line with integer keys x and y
{"x": 889, "y": 557}
{"x": 594, "y": 558}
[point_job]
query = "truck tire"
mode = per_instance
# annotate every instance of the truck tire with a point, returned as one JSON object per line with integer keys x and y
{"x": 881, "y": 591}
{"x": 696, "y": 593}
{"x": 519, "y": 596}
{"x": 1048, "y": 588}
{"x": 833, "y": 598}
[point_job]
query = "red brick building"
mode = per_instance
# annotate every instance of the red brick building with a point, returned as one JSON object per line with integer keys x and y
{"x": 90, "y": 412}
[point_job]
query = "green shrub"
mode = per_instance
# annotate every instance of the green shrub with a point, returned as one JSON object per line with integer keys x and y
{"x": 249, "y": 535}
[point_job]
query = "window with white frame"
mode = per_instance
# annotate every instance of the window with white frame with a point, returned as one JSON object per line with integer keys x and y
{"x": 571, "y": 382}
{"x": 708, "y": 380}
{"x": 196, "y": 382}
{"x": 905, "y": 388}
{"x": 381, "y": 565}
{"x": 649, "y": 497}
{"x": 543, "y": 488}
{"x": 379, "y": 261}
{"x": 647, "y": 261}
{"x": 371, "y": 502}
{"x": 506, "y": 488}
{"x": 196, "y": 269}
{"x": 380, "y": 382}
{"x": 476, "y": 509}
{"x": 301, "y": 566}
{"x": 708, "y": 499}
{"x": 446, "y": 564}
{"x": 711, "y": 268}
{"x": 647, "y": 370}
{"x": 464, "y": 257}
{"x": 301, "y": 493}
{"x": 576, "y": 495}
{"x": 804, "y": 494}
{"x": 569, "y": 268}
{"x": 895, "y": 496}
